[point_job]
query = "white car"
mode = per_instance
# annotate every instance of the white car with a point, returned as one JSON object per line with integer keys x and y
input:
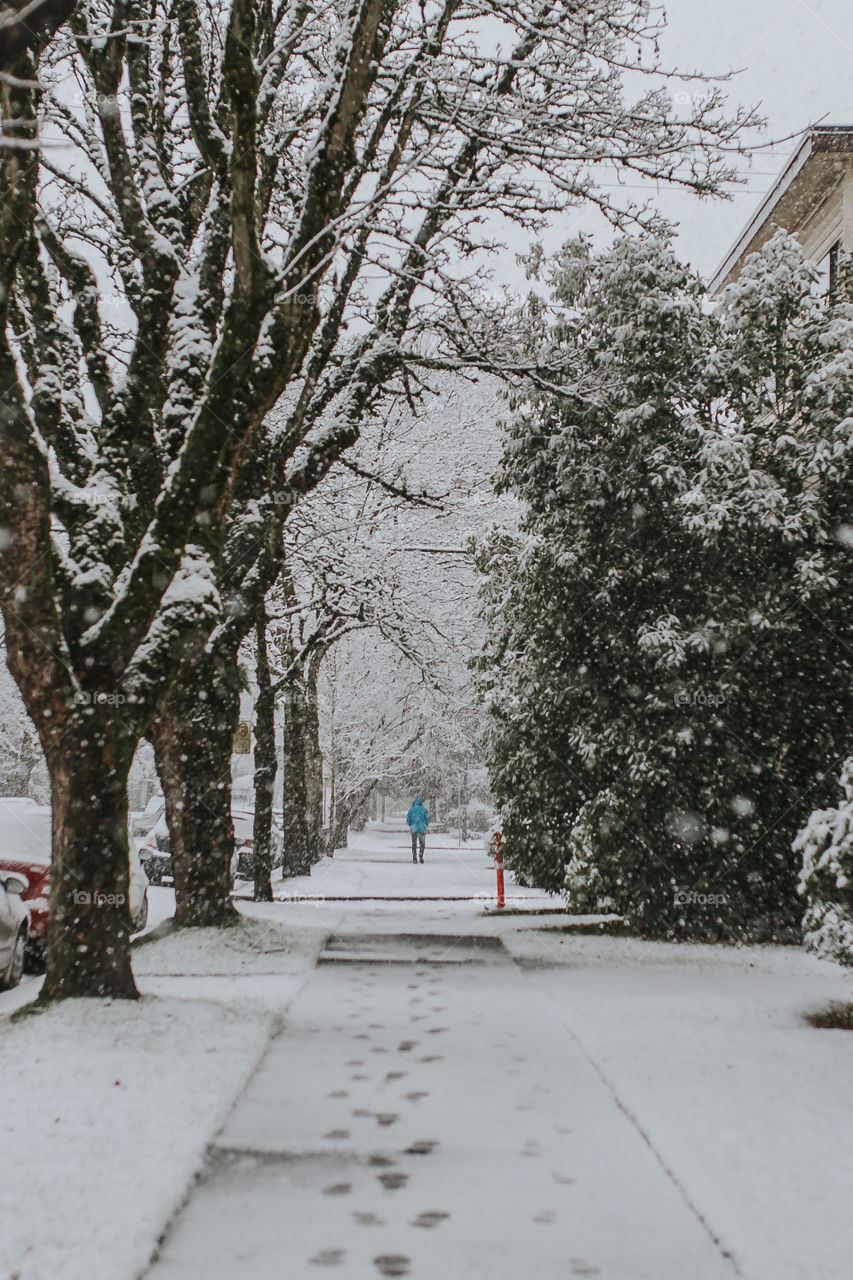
{"x": 14, "y": 923}
{"x": 242, "y": 865}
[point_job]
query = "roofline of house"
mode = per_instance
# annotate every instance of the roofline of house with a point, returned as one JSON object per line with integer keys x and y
{"x": 820, "y": 138}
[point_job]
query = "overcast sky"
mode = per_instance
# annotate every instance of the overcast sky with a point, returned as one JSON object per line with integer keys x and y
{"x": 795, "y": 62}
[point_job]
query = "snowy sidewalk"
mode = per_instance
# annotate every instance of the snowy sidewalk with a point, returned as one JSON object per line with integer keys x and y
{"x": 421, "y": 1115}
{"x": 377, "y": 866}
{"x": 448, "y": 1094}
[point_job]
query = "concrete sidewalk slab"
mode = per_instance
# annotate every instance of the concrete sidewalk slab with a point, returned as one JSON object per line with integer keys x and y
{"x": 414, "y": 1119}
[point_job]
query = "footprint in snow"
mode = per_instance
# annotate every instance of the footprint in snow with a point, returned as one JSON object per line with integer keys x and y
{"x": 369, "y": 1220}
{"x": 393, "y": 1180}
{"x": 338, "y": 1189}
{"x": 337, "y": 1134}
{"x": 430, "y": 1218}
{"x": 393, "y": 1264}
{"x": 328, "y": 1258}
{"x": 387, "y": 1117}
{"x": 422, "y": 1147}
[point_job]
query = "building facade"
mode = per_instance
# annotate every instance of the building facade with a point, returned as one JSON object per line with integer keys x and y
{"x": 812, "y": 198}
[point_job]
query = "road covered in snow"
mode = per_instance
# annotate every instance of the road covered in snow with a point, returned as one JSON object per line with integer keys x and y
{"x": 383, "y": 1076}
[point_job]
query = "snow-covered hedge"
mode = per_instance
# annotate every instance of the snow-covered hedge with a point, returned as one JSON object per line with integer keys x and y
{"x": 826, "y": 880}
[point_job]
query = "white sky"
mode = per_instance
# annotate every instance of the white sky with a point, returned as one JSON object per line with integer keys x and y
{"x": 795, "y": 62}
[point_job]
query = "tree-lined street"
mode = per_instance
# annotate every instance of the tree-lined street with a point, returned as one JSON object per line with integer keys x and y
{"x": 399, "y": 506}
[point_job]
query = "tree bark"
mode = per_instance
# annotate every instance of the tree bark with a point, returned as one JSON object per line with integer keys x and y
{"x": 314, "y": 767}
{"x": 297, "y": 850}
{"x": 339, "y": 826}
{"x": 29, "y": 24}
{"x": 265, "y": 770}
{"x": 193, "y": 737}
{"x": 88, "y": 940}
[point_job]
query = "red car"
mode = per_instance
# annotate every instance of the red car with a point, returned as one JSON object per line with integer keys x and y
{"x": 25, "y": 849}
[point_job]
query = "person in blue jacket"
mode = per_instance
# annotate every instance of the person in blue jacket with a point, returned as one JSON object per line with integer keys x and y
{"x": 417, "y": 820}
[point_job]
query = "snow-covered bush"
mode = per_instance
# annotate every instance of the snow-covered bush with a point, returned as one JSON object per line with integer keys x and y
{"x": 826, "y": 880}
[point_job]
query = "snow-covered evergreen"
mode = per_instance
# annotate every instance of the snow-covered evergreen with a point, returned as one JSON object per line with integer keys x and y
{"x": 667, "y": 674}
{"x": 826, "y": 879}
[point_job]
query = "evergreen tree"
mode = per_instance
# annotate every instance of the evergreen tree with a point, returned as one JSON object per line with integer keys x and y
{"x": 666, "y": 669}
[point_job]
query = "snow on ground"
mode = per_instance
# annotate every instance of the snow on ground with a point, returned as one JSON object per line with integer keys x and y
{"x": 700, "y": 1054}
{"x": 425, "y": 1117}
{"x": 161, "y": 906}
{"x": 745, "y": 1103}
{"x": 108, "y": 1106}
{"x": 378, "y": 863}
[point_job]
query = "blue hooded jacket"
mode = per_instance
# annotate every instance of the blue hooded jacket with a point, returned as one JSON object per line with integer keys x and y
{"x": 417, "y": 819}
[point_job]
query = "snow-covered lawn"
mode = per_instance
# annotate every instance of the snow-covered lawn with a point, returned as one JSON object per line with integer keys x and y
{"x": 107, "y": 1107}
{"x": 746, "y": 1105}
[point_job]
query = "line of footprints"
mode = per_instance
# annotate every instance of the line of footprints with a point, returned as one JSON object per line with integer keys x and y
{"x": 391, "y": 1178}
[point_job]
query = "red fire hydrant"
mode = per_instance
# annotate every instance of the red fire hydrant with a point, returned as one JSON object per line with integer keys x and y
{"x": 499, "y": 865}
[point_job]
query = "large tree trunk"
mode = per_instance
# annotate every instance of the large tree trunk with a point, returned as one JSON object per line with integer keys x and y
{"x": 88, "y": 940}
{"x": 297, "y": 845}
{"x": 193, "y": 737}
{"x": 265, "y": 770}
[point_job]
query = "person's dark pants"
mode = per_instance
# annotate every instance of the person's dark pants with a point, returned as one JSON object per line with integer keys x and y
{"x": 418, "y": 842}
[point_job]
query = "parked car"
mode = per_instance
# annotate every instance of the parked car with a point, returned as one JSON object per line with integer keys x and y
{"x": 25, "y": 851}
{"x": 155, "y": 850}
{"x": 14, "y": 925}
{"x": 242, "y": 868}
{"x": 153, "y": 844}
